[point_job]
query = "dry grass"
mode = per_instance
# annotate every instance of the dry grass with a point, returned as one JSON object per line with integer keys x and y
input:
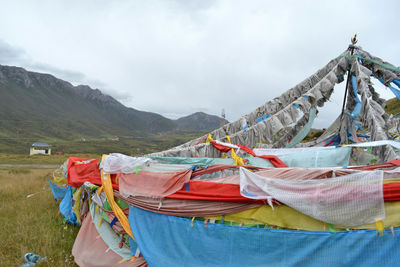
{"x": 31, "y": 224}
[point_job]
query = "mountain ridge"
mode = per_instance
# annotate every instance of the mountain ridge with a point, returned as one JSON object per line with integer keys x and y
{"x": 39, "y": 106}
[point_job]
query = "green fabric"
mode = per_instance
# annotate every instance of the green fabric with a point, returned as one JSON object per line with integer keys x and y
{"x": 122, "y": 204}
{"x": 386, "y": 66}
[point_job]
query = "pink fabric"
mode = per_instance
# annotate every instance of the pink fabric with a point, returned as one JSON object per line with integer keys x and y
{"x": 89, "y": 249}
{"x": 152, "y": 184}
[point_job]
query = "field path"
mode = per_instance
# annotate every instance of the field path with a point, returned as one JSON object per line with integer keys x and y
{"x": 31, "y": 166}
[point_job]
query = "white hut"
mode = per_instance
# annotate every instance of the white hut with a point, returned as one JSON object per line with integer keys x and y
{"x": 40, "y": 148}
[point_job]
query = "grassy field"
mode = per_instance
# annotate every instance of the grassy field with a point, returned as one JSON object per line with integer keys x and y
{"x": 32, "y": 224}
{"x": 40, "y": 159}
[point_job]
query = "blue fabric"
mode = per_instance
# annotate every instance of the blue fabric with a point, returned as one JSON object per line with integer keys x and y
{"x": 66, "y": 207}
{"x": 170, "y": 241}
{"x": 396, "y": 82}
{"x": 357, "y": 108}
{"x": 395, "y": 91}
{"x": 58, "y": 191}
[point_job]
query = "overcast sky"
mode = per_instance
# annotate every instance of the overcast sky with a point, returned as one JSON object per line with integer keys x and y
{"x": 176, "y": 57}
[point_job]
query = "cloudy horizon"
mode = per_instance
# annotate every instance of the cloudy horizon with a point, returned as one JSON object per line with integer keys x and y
{"x": 178, "y": 57}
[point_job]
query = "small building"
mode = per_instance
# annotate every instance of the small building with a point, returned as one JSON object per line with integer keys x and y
{"x": 40, "y": 148}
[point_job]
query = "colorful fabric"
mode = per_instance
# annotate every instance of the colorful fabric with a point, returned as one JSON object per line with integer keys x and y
{"x": 106, "y": 182}
{"x": 197, "y": 244}
{"x": 90, "y": 251}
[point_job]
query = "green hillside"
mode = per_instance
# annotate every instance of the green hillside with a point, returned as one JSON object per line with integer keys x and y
{"x": 392, "y": 106}
{"x": 76, "y": 119}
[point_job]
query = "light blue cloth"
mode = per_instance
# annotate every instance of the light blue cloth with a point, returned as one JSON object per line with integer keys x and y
{"x": 31, "y": 259}
{"x": 108, "y": 235}
{"x": 66, "y": 207}
{"x": 170, "y": 241}
{"x": 58, "y": 191}
{"x": 304, "y": 131}
{"x": 335, "y": 157}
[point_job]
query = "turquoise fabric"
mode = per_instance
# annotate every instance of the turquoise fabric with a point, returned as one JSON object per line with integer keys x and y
{"x": 170, "y": 241}
{"x": 304, "y": 131}
{"x": 335, "y": 157}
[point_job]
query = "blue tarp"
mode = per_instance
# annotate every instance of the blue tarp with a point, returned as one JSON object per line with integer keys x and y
{"x": 58, "y": 191}
{"x": 171, "y": 241}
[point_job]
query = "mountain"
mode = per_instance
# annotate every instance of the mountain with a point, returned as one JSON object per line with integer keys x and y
{"x": 40, "y": 107}
{"x": 200, "y": 121}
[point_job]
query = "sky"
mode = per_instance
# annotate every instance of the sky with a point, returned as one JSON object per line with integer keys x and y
{"x": 177, "y": 57}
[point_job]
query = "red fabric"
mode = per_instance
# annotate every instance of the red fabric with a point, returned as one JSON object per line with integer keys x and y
{"x": 200, "y": 190}
{"x": 390, "y": 164}
{"x": 277, "y": 162}
{"x": 79, "y": 172}
{"x": 220, "y": 147}
{"x": 247, "y": 150}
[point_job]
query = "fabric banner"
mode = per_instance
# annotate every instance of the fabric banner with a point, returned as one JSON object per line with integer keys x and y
{"x": 152, "y": 184}
{"x": 66, "y": 207}
{"x": 348, "y": 200}
{"x": 58, "y": 191}
{"x": 82, "y": 170}
{"x": 115, "y": 163}
{"x": 169, "y": 241}
{"x": 392, "y": 143}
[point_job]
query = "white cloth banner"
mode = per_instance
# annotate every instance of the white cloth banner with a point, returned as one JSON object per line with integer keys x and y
{"x": 116, "y": 163}
{"x": 284, "y": 151}
{"x": 377, "y": 143}
{"x": 348, "y": 200}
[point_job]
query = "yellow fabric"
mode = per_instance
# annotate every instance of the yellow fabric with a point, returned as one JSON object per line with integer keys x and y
{"x": 229, "y": 139}
{"x": 380, "y": 227}
{"x": 238, "y": 160}
{"x": 77, "y": 205}
{"x": 287, "y": 217}
{"x": 108, "y": 190}
{"x": 209, "y": 138}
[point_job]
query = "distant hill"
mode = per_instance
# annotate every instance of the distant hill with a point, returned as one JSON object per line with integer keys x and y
{"x": 392, "y": 106}
{"x": 200, "y": 121}
{"x": 39, "y": 107}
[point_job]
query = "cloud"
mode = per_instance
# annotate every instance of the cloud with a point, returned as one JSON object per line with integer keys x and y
{"x": 177, "y": 57}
